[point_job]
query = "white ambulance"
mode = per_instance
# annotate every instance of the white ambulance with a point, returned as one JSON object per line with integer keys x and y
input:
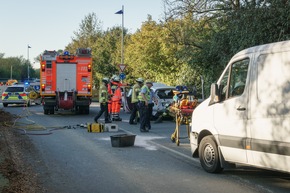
{"x": 246, "y": 120}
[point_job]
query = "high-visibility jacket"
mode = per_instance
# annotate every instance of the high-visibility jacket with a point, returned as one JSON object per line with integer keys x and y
{"x": 110, "y": 92}
{"x": 135, "y": 92}
{"x": 103, "y": 94}
{"x": 147, "y": 93}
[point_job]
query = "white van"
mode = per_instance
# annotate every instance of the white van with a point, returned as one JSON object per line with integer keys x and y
{"x": 246, "y": 120}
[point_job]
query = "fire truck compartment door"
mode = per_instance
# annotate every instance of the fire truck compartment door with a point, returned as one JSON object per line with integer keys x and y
{"x": 66, "y": 77}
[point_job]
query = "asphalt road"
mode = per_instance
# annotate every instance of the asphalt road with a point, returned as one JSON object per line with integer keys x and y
{"x": 68, "y": 159}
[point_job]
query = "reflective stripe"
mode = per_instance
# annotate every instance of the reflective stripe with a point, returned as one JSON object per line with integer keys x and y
{"x": 15, "y": 96}
{"x": 147, "y": 94}
{"x": 103, "y": 94}
{"x": 135, "y": 93}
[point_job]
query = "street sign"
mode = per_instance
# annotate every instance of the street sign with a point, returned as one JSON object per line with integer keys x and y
{"x": 122, "y": 76}
{"x": 122, "y": 67}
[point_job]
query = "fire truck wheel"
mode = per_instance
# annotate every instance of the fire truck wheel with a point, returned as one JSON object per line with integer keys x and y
{"x": 46, "y": 111}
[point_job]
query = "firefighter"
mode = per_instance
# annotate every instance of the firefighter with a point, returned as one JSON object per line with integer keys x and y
{"x": 116, "y": 99}
{"x": 144, "y": 97}
{"x": 103, "y": 100}
{"x": 134, "y": 100}
{"x": 111, "y": 89}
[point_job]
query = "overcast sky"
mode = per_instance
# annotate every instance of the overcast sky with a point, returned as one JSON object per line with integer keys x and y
{"x": 49, "y": 25}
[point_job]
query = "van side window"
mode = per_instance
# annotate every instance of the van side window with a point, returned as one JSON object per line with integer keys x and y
{"x": 223, "y": 85}
{"x": 234, "y": 80}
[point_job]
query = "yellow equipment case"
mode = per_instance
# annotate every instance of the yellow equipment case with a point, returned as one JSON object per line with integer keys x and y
{"x": 95, "y": 127}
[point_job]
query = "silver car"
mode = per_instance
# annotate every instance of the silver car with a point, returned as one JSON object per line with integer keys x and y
{"x": 164, "y": 95}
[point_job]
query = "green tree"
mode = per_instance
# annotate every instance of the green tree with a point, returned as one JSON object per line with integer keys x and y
{"x": 225, "y": 28}
{"x": 106, "y": 53}
{"x": 145, "y": 54}
{"x": 16, "y": 65}
{"x": 90, "y": 29}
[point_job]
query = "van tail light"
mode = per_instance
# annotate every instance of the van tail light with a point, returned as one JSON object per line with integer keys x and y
{"x": 43, "y": 87}
{"x": 4, "y": 94}
{"x": 89, "y": 67}
{"x": 89, "y": 87}
{"x": 23, "y": 94}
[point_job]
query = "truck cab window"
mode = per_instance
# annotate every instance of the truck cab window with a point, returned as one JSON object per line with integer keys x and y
{"x": 48, "y": 64}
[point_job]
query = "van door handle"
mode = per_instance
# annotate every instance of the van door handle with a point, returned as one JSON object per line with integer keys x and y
{"x": 241, "y": 108}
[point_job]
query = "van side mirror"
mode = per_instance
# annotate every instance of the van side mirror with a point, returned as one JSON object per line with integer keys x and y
{"x": 214, "y": 94}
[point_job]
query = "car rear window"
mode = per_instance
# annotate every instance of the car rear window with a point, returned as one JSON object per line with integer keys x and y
{"x": 14, "y": 89}
{"x": 165, "y": 93}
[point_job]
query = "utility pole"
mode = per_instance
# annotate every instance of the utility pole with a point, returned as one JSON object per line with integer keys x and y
{"x": 28, "y": 61}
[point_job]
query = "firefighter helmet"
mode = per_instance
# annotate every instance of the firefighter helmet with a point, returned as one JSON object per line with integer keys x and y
{"x": 140, "y": 80}
{"x": 105, "y": 80}
{"x": 116, "y": 79}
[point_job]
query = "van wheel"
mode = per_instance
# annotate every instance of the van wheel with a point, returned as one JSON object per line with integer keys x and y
{"x": 209, "y": 156}
{"x": 5, "y": 104}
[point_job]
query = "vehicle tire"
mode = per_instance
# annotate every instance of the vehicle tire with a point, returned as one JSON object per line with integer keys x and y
{"x": 209, "y": 155}
{"x": 5, "y": 104}
{"x": 46, "y": 111}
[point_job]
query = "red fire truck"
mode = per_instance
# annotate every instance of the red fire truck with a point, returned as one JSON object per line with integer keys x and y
{"x": 66, "y": 81}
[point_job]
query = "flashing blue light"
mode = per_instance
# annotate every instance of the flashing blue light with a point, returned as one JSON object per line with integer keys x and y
{"x": 37, "y": 87}
{"x": 26, "y": 83}
{"x": 66, "y": 53}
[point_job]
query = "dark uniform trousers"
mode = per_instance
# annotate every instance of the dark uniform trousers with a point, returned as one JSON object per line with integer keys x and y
{"x": 104, "y": 109}
{"x": 144, "y": 116}
{"x": 134, "y": 112}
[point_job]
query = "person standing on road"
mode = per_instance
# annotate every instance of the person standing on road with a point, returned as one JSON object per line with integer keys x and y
{"x": 134, "y": 99}
{"x": 144, "y": 97}
{"x": 116, "y": 99}
{"x": 103, "y": 100}
{"x": 153, "y": 100}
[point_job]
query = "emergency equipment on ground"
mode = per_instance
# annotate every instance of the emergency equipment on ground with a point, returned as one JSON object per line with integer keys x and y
{"x": 96, "y": 127}
{"x": 181, "y": 109}
{"x": 122, "y": 140}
